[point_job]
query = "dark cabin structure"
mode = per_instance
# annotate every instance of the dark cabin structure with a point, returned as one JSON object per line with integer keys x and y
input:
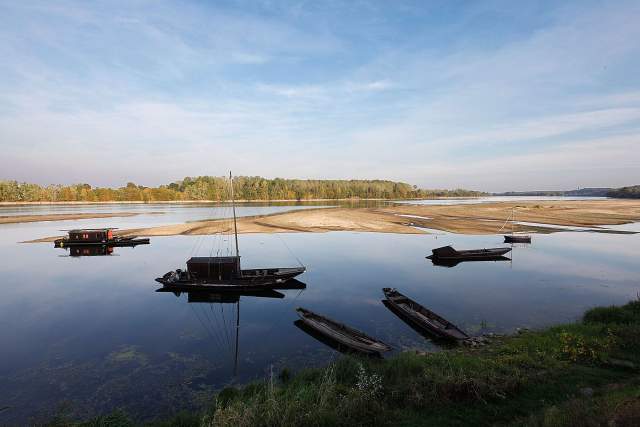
{"x": 91, "y": 235}
{"x": 214, "y": 268}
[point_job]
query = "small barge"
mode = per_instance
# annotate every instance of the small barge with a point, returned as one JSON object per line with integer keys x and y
{"x": 97, "y": 237}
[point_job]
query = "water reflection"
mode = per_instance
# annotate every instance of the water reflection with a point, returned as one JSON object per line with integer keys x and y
{"x": 222, "y": 331}
{"x": 449, "y": 263}
{"x": 79, "y": 251}
{"x": 153, "y": 355}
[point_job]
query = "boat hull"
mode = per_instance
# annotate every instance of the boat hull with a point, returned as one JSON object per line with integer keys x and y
{"x": 250, "y": 279}
{"x": 344, "y": 338}
{"x": 448, "y": 253}
{"x": 517, "y": 239}
{"x": 421, "y": 318}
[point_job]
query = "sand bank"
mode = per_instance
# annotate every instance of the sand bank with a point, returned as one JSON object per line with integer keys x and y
{"x": 16, "y": 219}
{"x": 480, "y": 218}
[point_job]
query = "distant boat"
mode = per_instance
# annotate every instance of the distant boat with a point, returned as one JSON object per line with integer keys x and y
{"x": 344, "y": 338}
{"x": 448, "y": 253}
{"x": 421, "y": 318}
{"x": 97, "y": 237}
{"x": 515, "y": 237}
{"x": 225, "y": 272}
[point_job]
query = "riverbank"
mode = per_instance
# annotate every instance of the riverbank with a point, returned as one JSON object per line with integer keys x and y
{"x": 585, "y": 373}
{"x": 476, "y": 218}
{"x": 225, "y": 202}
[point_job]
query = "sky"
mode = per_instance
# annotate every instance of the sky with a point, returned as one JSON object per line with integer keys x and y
{"x": 487, "y": 95}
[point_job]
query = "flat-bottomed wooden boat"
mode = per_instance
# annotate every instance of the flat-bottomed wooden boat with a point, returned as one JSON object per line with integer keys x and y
{"x": 447, "y": 252}
{"x": 350, "y": 338}
{"x": 421, "y": 317}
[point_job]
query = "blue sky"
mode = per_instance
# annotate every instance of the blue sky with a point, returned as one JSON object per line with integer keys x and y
{"x": 491, "y": 95}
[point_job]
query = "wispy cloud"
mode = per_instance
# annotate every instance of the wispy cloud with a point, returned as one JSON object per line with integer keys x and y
{"x": 176, "y": 89}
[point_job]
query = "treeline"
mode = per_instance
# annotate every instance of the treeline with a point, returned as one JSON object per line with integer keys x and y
{"x": 218, "y": 189}
{"x": 632, "y": 192}
{"x": 582, "y": 192}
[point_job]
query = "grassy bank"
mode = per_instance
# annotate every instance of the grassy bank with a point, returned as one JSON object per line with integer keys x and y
{"x": 585, "y": 374}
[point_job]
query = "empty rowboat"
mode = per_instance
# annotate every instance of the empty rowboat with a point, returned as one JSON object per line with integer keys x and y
{"x": 448, "y": 253}
{"x": 421, "y": 318}
{"x": 346, "y": 337}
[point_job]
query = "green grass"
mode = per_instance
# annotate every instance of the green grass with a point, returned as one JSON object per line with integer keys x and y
{"x": 532, "y": 379}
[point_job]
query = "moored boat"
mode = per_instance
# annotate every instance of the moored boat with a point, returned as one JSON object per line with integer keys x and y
{"x": 422, "y": 318}
{"x": 515, "y": 237}
{"x": 206, "y": 272}
{"x": 447, "y": 252}
{"x": 348, "y": 338}
{"x": 97, "y": 237}
{"x": 224, "y": 272}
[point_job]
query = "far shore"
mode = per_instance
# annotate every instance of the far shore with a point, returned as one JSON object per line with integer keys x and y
{"x": 549, "y": 216}
{"x": 179, "y": 202}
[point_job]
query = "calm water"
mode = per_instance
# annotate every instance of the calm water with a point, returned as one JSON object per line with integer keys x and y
{"x": 90, "y": 334}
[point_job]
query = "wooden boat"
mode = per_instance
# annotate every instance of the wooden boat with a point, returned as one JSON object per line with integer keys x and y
{"x": 226, "y": 270}
{"x": 515, "y": 237}
{"x": 447, "y": 252}
{"x": 422, "y": 318}
{"x": 97, "y": 237}
{"x": 212, "y": 271}
{"x": 349, "y": 338}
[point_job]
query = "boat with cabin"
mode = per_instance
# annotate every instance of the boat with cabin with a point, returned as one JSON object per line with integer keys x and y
{"x": 97, "y": 237}
{"x": 225, "y": 272}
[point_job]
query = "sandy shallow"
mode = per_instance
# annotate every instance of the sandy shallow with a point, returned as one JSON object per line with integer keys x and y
{"x": 480, "y": 218}
{"x": 17, "y": 219}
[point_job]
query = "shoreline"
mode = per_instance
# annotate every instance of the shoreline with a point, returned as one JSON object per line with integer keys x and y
{"x": 190, "y": 202}
{"x": 474, "y": 219}
{"x": 584, "y": 372}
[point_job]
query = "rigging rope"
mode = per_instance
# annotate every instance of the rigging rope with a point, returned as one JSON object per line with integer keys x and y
{"x": 289, "y": 249}
{"x": 505, "y": 223}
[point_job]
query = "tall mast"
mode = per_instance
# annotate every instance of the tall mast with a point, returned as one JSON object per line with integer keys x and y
{"x": 235, "y": 223}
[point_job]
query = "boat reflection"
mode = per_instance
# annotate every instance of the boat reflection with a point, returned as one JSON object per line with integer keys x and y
{"x": 92, "y": 250}
{"x": 219, "y": 326}
{"x": 453, "y": 262}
